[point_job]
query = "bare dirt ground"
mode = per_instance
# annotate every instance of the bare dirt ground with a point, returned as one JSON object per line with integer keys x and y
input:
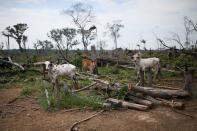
{"x": 26, "y": 115}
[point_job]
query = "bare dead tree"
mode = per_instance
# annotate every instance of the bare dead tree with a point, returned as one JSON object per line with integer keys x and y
{"x": 82, "y": 16}
{"x": 187, "y": 52}
{"x": 114, "y": 29}
{"x": 176, "y": 38}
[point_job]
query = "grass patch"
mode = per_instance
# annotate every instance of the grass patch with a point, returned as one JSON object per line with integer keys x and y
{"x": 120, "y": 75}
{"x": 85, "y": 82}
{"x": 70, "y": 100}
{"x": 167, "y": 74}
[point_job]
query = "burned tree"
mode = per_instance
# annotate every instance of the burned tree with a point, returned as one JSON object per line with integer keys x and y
{"x": 113, "y": 30}
{"x": 17, "y": 32}
{"x": 82, "y": 16}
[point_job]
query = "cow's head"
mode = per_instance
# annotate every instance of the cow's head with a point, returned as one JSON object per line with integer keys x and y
{"x": 48, "y": 65}
{"x": 136, "y": 57}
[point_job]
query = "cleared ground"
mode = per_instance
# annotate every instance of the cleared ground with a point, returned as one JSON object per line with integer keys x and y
{"x": 27, "y": 115}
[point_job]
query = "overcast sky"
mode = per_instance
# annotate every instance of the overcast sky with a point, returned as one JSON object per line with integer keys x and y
{"x": 140, "y": 17}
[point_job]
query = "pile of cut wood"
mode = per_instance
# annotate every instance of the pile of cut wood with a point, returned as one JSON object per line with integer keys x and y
{"x": 141, "y": 98}
{"x": 144, "y": 98}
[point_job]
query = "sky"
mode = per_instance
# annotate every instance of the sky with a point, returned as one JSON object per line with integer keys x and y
{"x": 142, "y": 19}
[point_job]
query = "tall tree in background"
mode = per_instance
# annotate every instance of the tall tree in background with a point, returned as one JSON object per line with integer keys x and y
{"x": 143, "y": 42}
{"x": 7, "y": 34}
{"x": 57, "y": 36}
{"x": 82, "y": 16}
{"x": 17, "y": 32}
{"x": 43, "y": 45}
{"x": 113, "y": 30}
{"x": 24, "y": 41}
{"x": 69, "y": 34}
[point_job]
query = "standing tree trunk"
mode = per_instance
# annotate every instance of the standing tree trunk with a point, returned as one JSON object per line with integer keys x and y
{"x": 115, "y": 41}
{"x": 189, "y": 83}
{"x": 8, "y": 42}
{"x": 19, "y": 44}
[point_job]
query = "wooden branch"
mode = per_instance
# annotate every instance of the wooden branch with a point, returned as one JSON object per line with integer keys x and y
{"x": 127, "y": 67}
{"x": 129, "y": 105}
{"x": 11, "y": 105}
{"x": 86, "y": 119}
{"x": 86, "y": 87}
{"x": 183, "y": 113}
{"x": 13, "y": 63}
{"x": 100, "y": 81}
{"x": 12, "y": 100}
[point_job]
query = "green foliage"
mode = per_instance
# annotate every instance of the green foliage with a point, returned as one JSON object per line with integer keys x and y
{"x": 118, "y": 74}
{"x": 121, "y": 93}
{"x": 85, "y": 82}
{"x": 183, "y": 59}
{"x": 77, "y": 60}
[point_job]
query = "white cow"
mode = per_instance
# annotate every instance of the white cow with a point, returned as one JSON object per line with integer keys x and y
{"x": 143, "y": 64}
{"x": 56, "y": 70}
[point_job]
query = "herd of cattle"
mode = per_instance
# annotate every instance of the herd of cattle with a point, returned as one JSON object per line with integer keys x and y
{"x": 67, "y": 69}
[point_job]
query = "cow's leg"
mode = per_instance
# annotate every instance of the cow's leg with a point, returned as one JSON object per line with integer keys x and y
{"x": 57, "y": 90}
{"x": 156, "y": 72}
{"x": 53, "y": 87}
{"x": 75, "y": 83}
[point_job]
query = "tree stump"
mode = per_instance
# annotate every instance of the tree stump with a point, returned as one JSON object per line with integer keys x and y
{"x": 189, "y": 83}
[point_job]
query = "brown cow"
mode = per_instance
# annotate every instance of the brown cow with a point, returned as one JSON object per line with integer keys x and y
{"x": 89, "y": 65}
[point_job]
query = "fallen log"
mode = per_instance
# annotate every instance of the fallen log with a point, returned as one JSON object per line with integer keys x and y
{"x": 125, "y": 66}
{"x": 121, "y": 103}
{"x": 162, "y": 93}
{"x": 13, "y": 63}
{"x": 153, "y": 100}
{"x": 89, "y": 74}
{"x": 100, "y": 81}
{"x": 84, "y": 88}
{"x": 140, "y": 100}
{"x": 166, "y": 87}
{"x": 173, "y": 104}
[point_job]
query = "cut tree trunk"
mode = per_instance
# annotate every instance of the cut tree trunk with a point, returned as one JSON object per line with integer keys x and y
{"x": 162, "y": 93}
{"x": 153, "y": 100}
{"x": 129, "y": 105}
{"x": 140, "y": 100}
{"x": 173, "y": 104}
{"x": 190, "y": 83}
